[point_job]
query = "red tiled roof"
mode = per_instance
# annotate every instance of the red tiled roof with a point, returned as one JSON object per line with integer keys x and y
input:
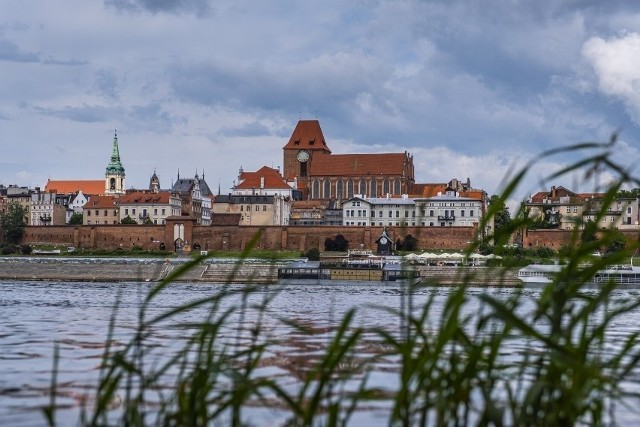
{"x": 307, "y": 135}
{"x": 142, "y": 198}
{"x": 73, "y": 186}
{"x": 472, "y": 194}
{"x": 99, "y": 202}
{"x": 272, "y": 179}
{"x": 429, "y": 190}
{"x": 358, "y": 164}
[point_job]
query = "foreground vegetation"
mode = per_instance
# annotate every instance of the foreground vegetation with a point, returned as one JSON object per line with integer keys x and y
{"x": 449, "y": 365}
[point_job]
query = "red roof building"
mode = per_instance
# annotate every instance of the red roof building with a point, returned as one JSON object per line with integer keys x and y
{"x": 90, "y": 187}
{"x": 323, "y": 175}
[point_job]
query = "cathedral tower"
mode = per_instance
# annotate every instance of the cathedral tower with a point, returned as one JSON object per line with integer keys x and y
{"x": 114, "y": 176}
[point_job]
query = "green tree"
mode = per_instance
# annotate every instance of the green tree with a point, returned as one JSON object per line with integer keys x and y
{"x": 128, "y": 220}
{"x": 628, "y": 194}
{"x": 12, "y": 223}
{"x": 502, "y": 221}
{"x": 76, "y": 219}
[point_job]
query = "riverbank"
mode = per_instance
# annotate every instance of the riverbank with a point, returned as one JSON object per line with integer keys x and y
{"x": 211, "y": 271}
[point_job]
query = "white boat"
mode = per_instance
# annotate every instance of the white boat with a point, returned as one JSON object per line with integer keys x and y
{"x": 540, "y": 275}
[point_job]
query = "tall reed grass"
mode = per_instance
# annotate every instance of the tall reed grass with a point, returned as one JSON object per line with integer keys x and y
{"x": 450, "y": 365}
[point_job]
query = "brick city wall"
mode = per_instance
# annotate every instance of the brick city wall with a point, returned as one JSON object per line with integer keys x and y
{"x": 237, "y": 238}
{"x": 555, "y": 239}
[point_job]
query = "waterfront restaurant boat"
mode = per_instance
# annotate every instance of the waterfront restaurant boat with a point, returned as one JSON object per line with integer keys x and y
{"x": 357, "y": 265}
{"x": 539, "y": 275}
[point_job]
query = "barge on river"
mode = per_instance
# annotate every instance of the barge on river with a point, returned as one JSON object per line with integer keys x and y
{"x": 358, "y": 266}
{"x": 539, "y": 275}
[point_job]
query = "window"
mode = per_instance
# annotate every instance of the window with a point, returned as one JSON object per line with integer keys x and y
{"x": 163, "y": 212}
{"x": 155, "y": 211}
{"x": 386, "y": 187}
{"x": 126, "y": 211}
{"x": 88, "y": 212}
{"x": 431, "y": 212}
{"x": 97, "y": 212}
{"x": 471, "y": 212}
{"x": 133, "y": 211}
{"x": 373, "y": 214}
{"x": 390, "y": 214}
{"x": 241, "y": 208}
{"x": 264, "y": 208}
{"x": 397, "y": 214}
{"x": 257, "y": 208}
{"x": 462, "y": 212}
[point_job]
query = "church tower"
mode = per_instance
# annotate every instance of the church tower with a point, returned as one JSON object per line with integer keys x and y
{"x": 154, "y": 183}
{"x": 114, "y": 176}
{"x": 306, "y": 142}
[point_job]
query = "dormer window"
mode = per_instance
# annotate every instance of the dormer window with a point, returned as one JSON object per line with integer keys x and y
{"x": 296, "y": 142}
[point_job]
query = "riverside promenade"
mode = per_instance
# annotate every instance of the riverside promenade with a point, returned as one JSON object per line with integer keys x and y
{"x": 212, "y": 270}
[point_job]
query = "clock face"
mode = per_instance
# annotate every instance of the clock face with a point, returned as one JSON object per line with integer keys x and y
{"x": 303, "y": 156}
{"x": 383, "y": 240}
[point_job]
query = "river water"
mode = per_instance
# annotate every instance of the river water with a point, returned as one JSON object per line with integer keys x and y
{"x": 34, "y": 316}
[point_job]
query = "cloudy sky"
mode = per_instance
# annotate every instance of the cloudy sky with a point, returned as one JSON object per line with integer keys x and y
{"x": 472, "y": 89}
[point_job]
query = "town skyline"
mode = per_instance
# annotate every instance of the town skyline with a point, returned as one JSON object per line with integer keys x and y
{"x": 217, "y": 86}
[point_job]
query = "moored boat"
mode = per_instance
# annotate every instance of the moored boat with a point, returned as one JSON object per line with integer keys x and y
{"x": 356, "y": 266}
{"x": 539, "y": 275}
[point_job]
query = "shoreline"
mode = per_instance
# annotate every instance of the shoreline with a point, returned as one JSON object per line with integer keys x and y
{"x": 213, "y": 270}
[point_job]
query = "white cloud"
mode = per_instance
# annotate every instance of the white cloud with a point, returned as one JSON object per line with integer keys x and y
{"x": 616, "y": 63}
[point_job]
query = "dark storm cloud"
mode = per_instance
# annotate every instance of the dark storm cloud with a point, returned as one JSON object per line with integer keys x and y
{"x": 197, "y": 7}
{"x": 83, "y": 114}
{"x": 9, "y": 51}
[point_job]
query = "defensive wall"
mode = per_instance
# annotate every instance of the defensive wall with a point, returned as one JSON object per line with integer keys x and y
{"x": 555, "y": 239}
{"x": 271, "y": 237}
{"x": 111, "y": 237}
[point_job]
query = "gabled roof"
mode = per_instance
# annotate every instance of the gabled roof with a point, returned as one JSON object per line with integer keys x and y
{"x": 272, "y": 180}
{"x": 100, "y": 202}
{"x": 358, "y": 164}
{"x": 94, "y": 186}
{"x": 183, "y": 186}
{"x": 307, "y": 135}
{"x": 141, "y": 198}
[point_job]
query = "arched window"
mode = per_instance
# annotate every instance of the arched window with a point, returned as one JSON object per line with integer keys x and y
{"x": 386, "y": 188}
{"x": 339, "y": 189}
{"x": 396, "y": 186}
{"x": 350, "y": 188}
{"x": 112, "y": 184}
{"x": 374, "y": 188}
{"x": 327, "y": 189}
{"x": 315, "y": 190}
{"x": 362, "y": 187}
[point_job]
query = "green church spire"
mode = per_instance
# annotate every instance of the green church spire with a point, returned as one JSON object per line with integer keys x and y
{"x": 115, "y": 165}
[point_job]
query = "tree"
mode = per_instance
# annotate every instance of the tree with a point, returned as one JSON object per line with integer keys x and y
{"x": 502, "y": 218}
{"x": 76, "y": 219}
{"x": 128, "y": 220}
{"x": 12, "y": 223}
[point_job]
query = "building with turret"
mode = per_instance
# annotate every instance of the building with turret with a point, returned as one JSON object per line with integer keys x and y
{"x": 115, "y": 175}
